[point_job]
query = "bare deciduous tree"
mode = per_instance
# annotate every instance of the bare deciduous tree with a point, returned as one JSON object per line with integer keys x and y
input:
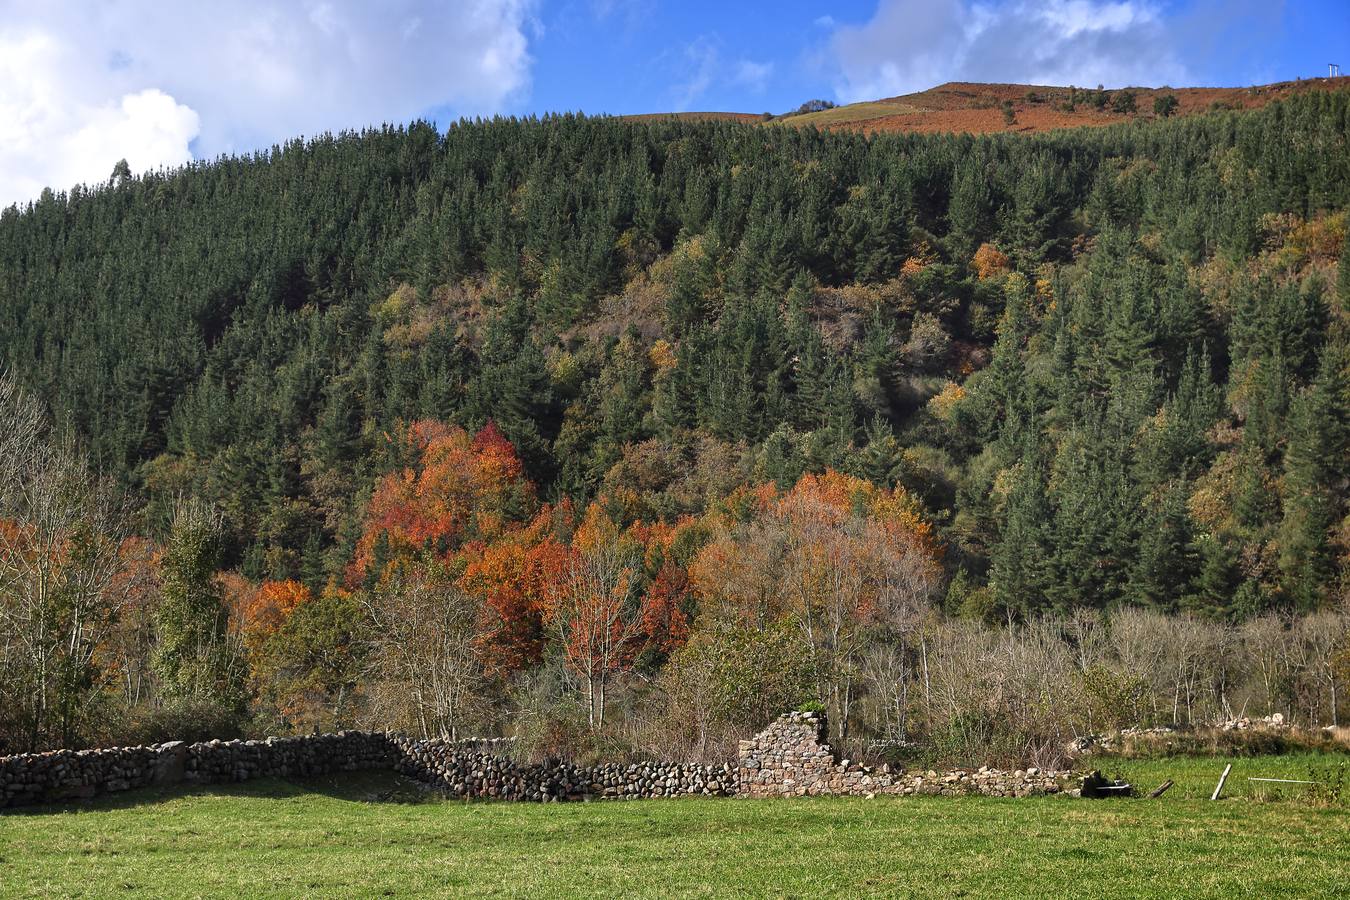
{"x": 61, "y": 528}
{"x": 425, "y": 659}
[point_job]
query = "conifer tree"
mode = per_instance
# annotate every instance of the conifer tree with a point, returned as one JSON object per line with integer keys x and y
{"x": 1019, "y": 575}
{"x": 1314, "y": 463}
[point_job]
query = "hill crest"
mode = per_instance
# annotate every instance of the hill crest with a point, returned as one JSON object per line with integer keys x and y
{"x": 978, "y": 108}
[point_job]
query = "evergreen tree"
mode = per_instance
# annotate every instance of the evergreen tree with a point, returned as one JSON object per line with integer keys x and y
{"x": 1315, "y": 462}
{"x": 1019, "y": 574}
{"x": 1167, "y": 561}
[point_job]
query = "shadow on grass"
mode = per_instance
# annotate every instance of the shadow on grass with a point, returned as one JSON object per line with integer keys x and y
{"x": 372, "y": 786}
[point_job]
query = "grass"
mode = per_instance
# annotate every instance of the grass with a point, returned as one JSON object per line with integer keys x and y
{"x": 351, "y": 838}
{"x": 853, "y": 112}
{"x": 1195, "y": 777}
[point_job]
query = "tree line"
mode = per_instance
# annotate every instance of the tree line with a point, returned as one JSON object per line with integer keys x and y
{"x": 532, "y": 410}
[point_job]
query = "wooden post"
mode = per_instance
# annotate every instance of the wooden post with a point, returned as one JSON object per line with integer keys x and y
{"x": 1218, "y": 788}
{"x": 1160, "y": 790}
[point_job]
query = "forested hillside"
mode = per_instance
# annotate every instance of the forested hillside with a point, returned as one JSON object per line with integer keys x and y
{"x": 543, "y": 408}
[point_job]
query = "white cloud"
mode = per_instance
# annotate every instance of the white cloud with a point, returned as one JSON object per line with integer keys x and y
{"x": 83, "y": 85}
{"x": 57, "y": 128}
{"x": 752, "y": 75}
{"x": 704, "y": 65}
{"x": 701, "y": 62}
{"x": 910, "y": 45}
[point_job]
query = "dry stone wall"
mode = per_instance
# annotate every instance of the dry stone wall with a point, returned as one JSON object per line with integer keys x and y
{"x": 221, "y": 762}
{"x": 791, "y": 758}
{"x": 464, "y": 770}
{"x": 471, "y": 769}
{"x": 83, "y": 774}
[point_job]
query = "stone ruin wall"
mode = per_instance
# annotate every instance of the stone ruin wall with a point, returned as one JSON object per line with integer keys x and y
{"x": 474, "y": 773}
{"x": 790, "y": 758}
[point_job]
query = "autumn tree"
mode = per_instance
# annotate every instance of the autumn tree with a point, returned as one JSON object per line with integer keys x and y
{"x": 513, "y": 576}
{"x": 61, "y": 534}
{"x": 594, "y": 606}
{"x": 458, "y": 488}
{"x": 840, "y": 558}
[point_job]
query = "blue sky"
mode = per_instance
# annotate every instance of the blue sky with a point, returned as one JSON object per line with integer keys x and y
{"x": 626, "y": 56}
{"x": 84, "y": 83}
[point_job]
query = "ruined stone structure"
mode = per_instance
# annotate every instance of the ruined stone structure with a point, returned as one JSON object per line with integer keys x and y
{"x": 791, "y": 758}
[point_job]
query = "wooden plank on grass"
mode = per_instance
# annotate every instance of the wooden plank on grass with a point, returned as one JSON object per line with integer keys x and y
{"x": 1160, "y": 790}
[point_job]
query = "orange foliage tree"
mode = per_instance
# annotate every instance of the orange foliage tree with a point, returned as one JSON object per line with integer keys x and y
{"x": 990, "y": 261}
{"x": 263, "y": 611}
{"x": 513, "y": 576}
{"x": 837, "y": 556}
{"x": 594, "y": 605}
{"x": 459, "y": 488}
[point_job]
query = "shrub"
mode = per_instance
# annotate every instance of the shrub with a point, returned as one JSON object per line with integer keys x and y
{"x": 187, "y": 720}
{"x": 1328, "y": 784}
{"x": 1217, "y": 742}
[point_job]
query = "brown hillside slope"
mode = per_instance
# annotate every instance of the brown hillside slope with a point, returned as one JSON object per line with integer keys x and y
{"x": 978, "y": 108}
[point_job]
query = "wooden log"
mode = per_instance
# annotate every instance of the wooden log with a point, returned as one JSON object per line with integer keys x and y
{"x": 1218, "y": 788}
{"x": 1160, "y": 790}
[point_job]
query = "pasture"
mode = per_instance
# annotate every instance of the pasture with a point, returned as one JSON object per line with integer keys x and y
{"x": 378, "y": 835}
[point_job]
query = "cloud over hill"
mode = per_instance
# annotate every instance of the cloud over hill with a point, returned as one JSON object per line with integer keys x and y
{"x": 909, "y": 45}
{"x": 82, "y": 86}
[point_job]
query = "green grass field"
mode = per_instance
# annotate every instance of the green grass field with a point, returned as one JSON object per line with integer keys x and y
{"x": 351, "y": 838}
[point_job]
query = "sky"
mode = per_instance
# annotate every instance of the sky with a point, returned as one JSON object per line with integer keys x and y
{"x": 84, "y": 83}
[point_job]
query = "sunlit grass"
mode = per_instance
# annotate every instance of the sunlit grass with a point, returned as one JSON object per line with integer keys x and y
{"x": 350, "y": 838}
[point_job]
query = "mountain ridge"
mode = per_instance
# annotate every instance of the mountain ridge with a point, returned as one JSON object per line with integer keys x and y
{"x": 977, "y": 107}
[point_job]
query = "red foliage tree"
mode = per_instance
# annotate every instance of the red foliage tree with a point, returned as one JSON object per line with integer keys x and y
{"x": 459, "y": 488}
{"x": 513, "y": 576}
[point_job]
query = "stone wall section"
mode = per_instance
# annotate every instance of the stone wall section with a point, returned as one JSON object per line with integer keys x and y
{"x": 463, "y": 770}
{"x": 471, "y": 769}
{"x": 223, "y": 762}
{"x": 791, "y": 758}
{"x": 83, "y": 774}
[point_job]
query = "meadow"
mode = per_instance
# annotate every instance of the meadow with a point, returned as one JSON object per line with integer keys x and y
{"x": 376, "y": 835}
